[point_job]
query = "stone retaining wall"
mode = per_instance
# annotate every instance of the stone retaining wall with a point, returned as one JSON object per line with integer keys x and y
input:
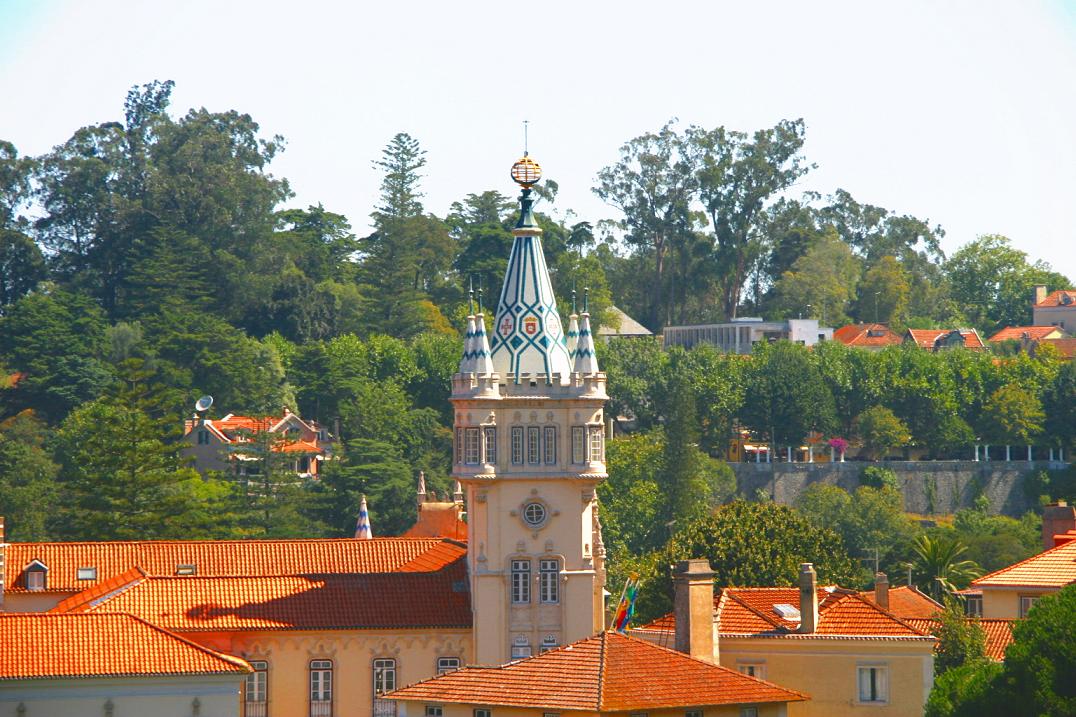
{"x": 928, "y": 486}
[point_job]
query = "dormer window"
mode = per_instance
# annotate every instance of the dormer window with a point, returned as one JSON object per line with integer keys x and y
{"x": 37, "y": 574}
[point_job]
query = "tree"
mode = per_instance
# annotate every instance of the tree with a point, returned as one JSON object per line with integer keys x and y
{"x": 737, "y": 175}
{"x": 653, "y": 184}
{"x": 960, "y": 641}
{"x": 28, "y": 488}
{"x": 22, "y": 266}
{"x": 1012, "y": 415}
{"x": 749, "y": 545}
{"x": 15, "y": 174}
{"x": 377, "y": 470}
{"x": 1060, "y": 406}
{"x": 631, "y": 498}
{"x": 940, "y": 564}
{"x": 882, "y": 295}
{"x": 880, "y": 431}
{"x": 992, "y": 282}
{"x": 400, "y": 161}
{"x": 820, "y": 283}
{"x": 1040, "y": 663}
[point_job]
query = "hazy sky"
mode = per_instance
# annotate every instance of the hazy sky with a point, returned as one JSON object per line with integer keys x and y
{"x": 960, "y": 112}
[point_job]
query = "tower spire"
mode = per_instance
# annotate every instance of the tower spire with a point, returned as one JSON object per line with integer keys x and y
{"x": 573, "y": 328}
{"x": 586, "y": 361}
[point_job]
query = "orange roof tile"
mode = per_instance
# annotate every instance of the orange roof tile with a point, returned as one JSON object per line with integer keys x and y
{"x": 928, "y": 338}
{"x": 1019, "y": 333}
{"x": 907, "y": 602}
{"x": 841, "y": 614}
{"x": 221, "y": 557}
{"x": 46, "y": 645}
{"x": 295, "y": 602}
{"x": 998, "y": 633}
{"x": 1057, "y": 298}
{"x": 607, "y": 672}
{"x": 1053, "y": 568}
{"x": 866, "y": 335}
{"x": 439, "y": 519}
{"x": 1065, "y": 347}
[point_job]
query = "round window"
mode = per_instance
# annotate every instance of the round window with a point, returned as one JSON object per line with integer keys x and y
{"x": 534, "y": 514}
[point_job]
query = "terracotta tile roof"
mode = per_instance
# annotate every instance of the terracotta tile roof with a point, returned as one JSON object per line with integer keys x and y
{"x": 998, "y": 633}
{"x": 928, "y": 338}
{"x": 45, "y": 645}
{"x": 608, "y": 673}
{"x": 1053, "y": 568}
{"x": 1057, "y": 298}
{"x": 1065, "y": 347}
{"x": 222, "y": 557}
{"x": 841, "y": 613}
{"x": 439, "y": 520}
{"x": 907, "y": 602}
{"x": 290, "y": 602}
{"x": 866, "y": 335}
{"x": 1019, "y": 333}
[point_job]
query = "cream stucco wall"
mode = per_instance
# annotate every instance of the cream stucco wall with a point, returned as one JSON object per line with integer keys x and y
{"x": 827, "y": 669}
{"x": 32, "y": 602}
{"x": 1005, "y": 602}
{"x": 352, "y": 652}
{"x": 418, "y": 709}
{"x": 217, "y": 696}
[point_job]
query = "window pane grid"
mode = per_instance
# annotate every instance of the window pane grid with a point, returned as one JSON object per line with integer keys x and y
{"x": 549, "y": 572}
{"x": 596, "y": 445}
{"x": 578, "y": 444}
{"x": 490, "y": 435}
{"x": 534, "y": 438}
{"x": 521, "y": 581}
{"x": 550, "y": 447}
{"x": 517, "y": 445}
{"x": 472, "y": 447}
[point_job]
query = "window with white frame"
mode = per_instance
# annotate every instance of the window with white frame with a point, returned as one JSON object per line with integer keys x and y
{"x": 447, "y": 664}
{"x": 973, "y": 605}
{"x": 36, "y": 578}
{"x": 89, "y": 573}
{"x": 471, "y": 447}
{"x": 521, "y": 581}
{"x": 434, "y": 711}
{"x": 489, "y": 434}
{"x": 873, "y": 683}
{"x": 534, "y": 439}
{"x": 549, "y": 446}
{"x": 256, "y": 690}
{"x": 597, "y": 437}
{"x": 321, "y": 688}
{"x": 459, "y": 445}
{"x": 752, "y": 669}
{"x": 1026, "y": 603}
{"x": 384, "y": 675}
{"x": 548, "y": 581}
{"x": 579, "y": 444}
{"x": 517, "y": 445}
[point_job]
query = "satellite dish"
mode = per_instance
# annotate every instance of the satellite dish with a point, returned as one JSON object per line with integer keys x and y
{"x": 202, "y": 404}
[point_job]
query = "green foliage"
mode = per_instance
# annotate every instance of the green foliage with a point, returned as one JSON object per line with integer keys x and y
{"x": 966, "y": 691}
{"x": 789, "y": 396}
{"x": 820, "y": 284}
{"x": 960, "y": 641}
{"x": 28, "y": 488}
{"x": 631, "y": 498}
{"x": 1012, "y": 415}
{"x": 880, "y": 431}
{"x": 879, "y": 477}
{"x": 941, "y": 565}
{"x": 996, "y": 541}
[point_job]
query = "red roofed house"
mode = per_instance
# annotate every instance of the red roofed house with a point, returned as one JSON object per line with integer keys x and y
{"x": 1026, "y": 334}
{"x": 1057, "y": 308}
{"x": 937, "y": 339}
{"x": 843, "y": 649}
{"x": 216, "y": 444}
{"x": 61, "y": 665}
{"x": 873, "y": 337}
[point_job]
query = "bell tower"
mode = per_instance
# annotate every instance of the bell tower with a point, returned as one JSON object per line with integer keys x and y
{"x": 530, "y": 452}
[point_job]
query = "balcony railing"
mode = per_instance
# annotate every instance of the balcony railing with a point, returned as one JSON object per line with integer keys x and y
{"x": 384, "y": 708}
{"x": 321, "y": 708}
{"x": 255, "y": 709}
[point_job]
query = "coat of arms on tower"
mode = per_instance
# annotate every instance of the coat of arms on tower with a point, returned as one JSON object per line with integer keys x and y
{"x": 506, "y": 326}
{"x": 530, "y": 325}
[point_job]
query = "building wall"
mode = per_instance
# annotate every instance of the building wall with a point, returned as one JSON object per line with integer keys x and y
{"x": 827, "y": 671}
{"x": 418, "y": 709}
{"x": 217, "y": 696}
{"x": 1060, "y": 316}
{"x": 31, "y": 602}
{"x": 352, "y": 652}
{"x": 1005, "y": 602}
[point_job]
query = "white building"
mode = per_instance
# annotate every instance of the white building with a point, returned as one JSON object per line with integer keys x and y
{"x": 740, "y": 335}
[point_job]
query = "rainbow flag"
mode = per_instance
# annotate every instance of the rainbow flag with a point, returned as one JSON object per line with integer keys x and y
{"x": 626, "y": 608}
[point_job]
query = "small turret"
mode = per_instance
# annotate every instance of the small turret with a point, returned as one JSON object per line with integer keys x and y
{"x": 573, "y": 330}
{"x": 586, "y": 361}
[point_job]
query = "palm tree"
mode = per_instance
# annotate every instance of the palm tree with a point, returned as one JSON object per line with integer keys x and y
{"x": 938, "y": 559}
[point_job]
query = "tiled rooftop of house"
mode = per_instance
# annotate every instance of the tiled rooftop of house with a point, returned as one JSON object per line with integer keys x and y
{"x": 1023, "y": 333}
{"x": 1053, "y": 568}
{"x": 44, "y": 645}
{"x": 866, "y": 335}
{"x": 288, "y": 602}
{"x": 1061, "y": 297}
{"x": 998, "y": 633}
{"x": 764, "y": 612}
{"x": 928, "y": 338}
{"x": 607, "y": 672}
{"x": 907, "y": 602}
{"x": 225, "y": 557}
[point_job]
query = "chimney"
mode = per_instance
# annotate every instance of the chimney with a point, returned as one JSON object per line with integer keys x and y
{"x": 808, "y": 598}
{"x": 3, "y": 551}
{"x": 881, "y": 590}
{"x": 694, "y": 609}
{"x": 1057, "y": 519}
{"x": 1040, "y": 294}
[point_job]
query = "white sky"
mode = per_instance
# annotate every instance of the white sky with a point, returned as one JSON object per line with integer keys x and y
{"x": 960, "y": 112}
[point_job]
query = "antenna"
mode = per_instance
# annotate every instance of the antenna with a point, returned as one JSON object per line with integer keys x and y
{"x": 202, "y": 404}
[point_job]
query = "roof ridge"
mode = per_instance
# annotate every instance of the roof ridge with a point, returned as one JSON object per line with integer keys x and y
{"x": 880, "y": 609}
{"x": 237, "y": 541}
{"x": 239, "y": 661}
{"x": 601, "y": 670}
